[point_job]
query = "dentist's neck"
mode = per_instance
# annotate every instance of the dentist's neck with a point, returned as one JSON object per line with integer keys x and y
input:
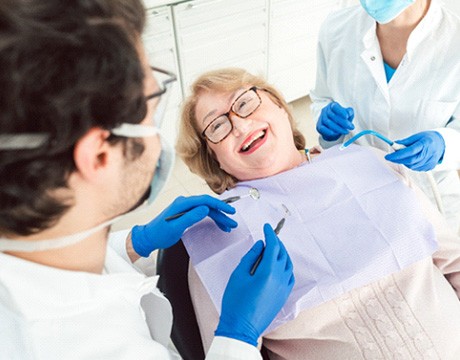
{"x": 87, "y": 255}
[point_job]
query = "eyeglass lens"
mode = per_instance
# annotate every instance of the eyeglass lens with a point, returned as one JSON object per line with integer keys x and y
{"x": 244, "y": 105}
{"x": 161, "y": 97}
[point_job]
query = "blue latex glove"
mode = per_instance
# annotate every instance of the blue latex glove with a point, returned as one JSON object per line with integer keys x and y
{"x": 335, "y": 121}
{"x": 161, "y": 234}
{"x": 423, "y": 151}
{"x": 251, "y": 302}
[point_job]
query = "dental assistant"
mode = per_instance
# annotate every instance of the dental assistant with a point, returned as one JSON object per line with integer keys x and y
{"x": 393, "y": 67}
{"x": 79, "y": 147}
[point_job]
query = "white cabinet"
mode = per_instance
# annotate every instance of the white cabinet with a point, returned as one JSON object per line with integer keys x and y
{"x": 213, "y": 34}
{"x": 273, "y": 38}
{"x": 159, "y": 42}
{"x": 294, "y": 27}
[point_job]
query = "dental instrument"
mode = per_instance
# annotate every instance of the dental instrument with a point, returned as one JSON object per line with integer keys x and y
{"x": 395, "y": 146}
{"x": 253, "y": 193}
{"x": 277, "y": 230}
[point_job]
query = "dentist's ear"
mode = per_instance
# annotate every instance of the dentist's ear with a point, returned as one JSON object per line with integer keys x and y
{"x": 91, "y": 154}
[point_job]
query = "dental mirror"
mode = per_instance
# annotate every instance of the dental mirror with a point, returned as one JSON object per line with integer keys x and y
{"x": 253, "y": 193}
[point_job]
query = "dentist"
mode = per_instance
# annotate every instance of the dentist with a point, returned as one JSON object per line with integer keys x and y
{"x": 393, "y": 66}
{"x": 79, "y": 147}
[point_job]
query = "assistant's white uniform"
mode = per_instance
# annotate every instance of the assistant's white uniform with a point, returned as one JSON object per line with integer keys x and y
{"x": 423, "y": 94}
{"x": 48, "y": 313}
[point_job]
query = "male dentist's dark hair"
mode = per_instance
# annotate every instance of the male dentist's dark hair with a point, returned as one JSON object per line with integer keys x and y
{"x": 65, "y": 67}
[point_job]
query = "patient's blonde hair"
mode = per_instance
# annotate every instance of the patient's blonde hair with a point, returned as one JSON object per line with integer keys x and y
{"x": 193, "y": 148}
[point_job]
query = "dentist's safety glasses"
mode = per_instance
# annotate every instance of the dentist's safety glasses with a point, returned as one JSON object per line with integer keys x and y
{"x": 165, "y": 80}
{"x": 394, "y": 145}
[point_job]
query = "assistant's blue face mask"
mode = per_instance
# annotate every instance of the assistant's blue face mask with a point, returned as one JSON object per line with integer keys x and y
{"x": 384, "y": 11}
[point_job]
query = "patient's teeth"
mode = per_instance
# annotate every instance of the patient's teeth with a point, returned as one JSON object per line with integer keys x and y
{"x": 254, "y": 138}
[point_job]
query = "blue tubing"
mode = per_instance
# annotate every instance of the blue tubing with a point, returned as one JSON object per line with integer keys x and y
{"x": 366, "y": 132}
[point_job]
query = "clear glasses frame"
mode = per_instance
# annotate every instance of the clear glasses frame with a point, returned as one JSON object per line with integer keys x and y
{"x": 139, "y": 130}
{"x": 165, "y": 84}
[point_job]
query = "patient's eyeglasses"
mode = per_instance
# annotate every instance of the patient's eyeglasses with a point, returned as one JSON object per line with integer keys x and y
{"x": 243, "y": 106}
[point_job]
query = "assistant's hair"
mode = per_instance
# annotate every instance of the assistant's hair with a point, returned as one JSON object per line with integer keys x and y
{"x": 193, "y": 148}
{"x": 65, "y": 67}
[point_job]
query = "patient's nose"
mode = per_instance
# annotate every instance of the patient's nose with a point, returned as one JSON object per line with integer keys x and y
{"x": 240, "y": 125}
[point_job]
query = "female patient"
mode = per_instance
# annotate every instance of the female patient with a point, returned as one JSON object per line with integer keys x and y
{"x": 377, "y": 271}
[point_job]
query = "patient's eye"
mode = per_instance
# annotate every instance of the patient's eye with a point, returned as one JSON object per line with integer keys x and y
{"x": 243, "y": 105}
{"x": 246, "y": 104}
{"x": 218, "y": 124}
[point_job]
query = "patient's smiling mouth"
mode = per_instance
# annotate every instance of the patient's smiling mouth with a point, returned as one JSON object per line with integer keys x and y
{"x": 254, "y": 141}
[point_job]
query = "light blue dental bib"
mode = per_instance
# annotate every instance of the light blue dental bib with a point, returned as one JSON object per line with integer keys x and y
{"x": 351, "y": 222}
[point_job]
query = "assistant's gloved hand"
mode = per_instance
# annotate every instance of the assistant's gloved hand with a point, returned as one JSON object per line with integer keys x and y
{"x": 251, "y": 302}
{"x": 335, "y": 121}
{"x": 161, "y": 233}
{"x": 423, "y": 151}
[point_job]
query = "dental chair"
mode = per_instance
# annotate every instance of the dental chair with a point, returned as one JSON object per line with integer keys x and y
{"x": 172, "y": 266}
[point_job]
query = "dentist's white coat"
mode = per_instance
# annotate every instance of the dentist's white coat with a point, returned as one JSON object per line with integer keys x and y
{"x": 52, "y": 314}
{"x": 423, "y": 94}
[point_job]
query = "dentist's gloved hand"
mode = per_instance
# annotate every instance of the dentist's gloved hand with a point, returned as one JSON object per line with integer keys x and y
{"x": 161, "y": 234}
{"x": 423, "y": 151}
{"x": 335, "y": 121}
{"x": 251, "y": 302}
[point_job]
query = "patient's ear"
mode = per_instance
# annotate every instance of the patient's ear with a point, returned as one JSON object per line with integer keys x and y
{"x": 92, "y": 154}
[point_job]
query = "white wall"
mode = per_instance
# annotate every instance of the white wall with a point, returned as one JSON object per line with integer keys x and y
{"x": 454, "y": 5}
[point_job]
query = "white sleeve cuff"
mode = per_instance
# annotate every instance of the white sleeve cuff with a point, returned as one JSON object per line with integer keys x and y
{"x": 147, "y": 266}
{"x": 117, "y": 241}
{"x": 223, "y": 348}
{"x": 451, "y": 159}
